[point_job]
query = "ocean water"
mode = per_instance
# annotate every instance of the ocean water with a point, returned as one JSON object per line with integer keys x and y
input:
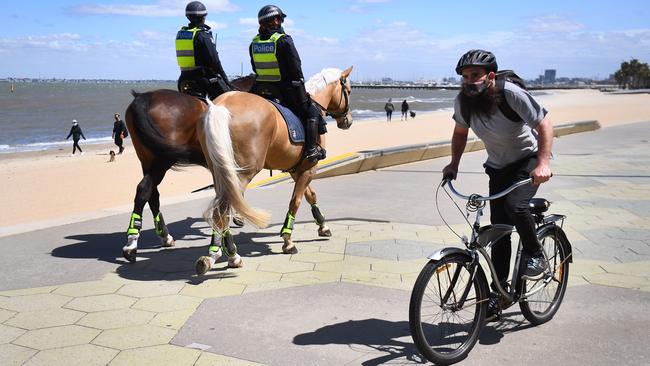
{"x": 38, "y": 116}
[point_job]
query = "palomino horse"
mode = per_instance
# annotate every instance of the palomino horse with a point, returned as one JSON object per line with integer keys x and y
{"x": 156, "y": 120}
{"x": 243, "y": 134}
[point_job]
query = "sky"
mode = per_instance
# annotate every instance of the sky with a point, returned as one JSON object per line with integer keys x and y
{"x": 400, "y": 39}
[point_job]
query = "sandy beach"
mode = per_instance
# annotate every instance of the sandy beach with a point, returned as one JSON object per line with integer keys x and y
{"x": 50, "y": 186}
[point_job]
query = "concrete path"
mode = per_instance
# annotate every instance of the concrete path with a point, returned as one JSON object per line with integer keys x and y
{"x": 67, "y": 297}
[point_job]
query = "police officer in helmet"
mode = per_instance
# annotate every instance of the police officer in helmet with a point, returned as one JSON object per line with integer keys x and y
{"x": 201, "y": 71}
{"x": 275, "y": 60}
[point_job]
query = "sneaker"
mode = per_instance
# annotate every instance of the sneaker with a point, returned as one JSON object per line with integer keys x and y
{"x": 82, "y": 153}
{"x": 535, "y": 267}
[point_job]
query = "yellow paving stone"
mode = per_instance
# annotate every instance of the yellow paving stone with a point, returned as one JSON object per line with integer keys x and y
{"x": 164, "y": 355}
{"x": 116, "y": 318}
{"x": 377, "y": 278}
{"x": 68, "y": 335}
{"x": 408, "y": 280}
{"x": 640, "y": 269}
{"x": 81, "y": 355}
{"x": 209, "y": 289}
{"x": 89, "y": 288}
{"x": 397, "y": 226}
{"x": 134, "y": 337}
{"x": 285, "y": 267}
{"x": 617, "y": 280}
{"x": 45, "y": 318}
{"x": 8, "y": 334}
{"x": 172, "y": 319}
{"x": 6, "y": 314}
{"x": 211, "y": 359}
{"x": 358, "y": 260}
{"x": 249, "y": 278}
{"x": 373, "y": 227}
{"x": 316, "y": 257}
{"x": 150, "y": 289}
{"x": 307, "y": 246}
{"x": 342, "y": 267}
{"x": 12, "y": 355}
{"x": 267, "y": 286}
{"x": 311, "y": 277}
{"x": 34, "y": 302}
{"x": 334, "y": 245}
{"x": 586, "y": 266}
{"x": 396, "y": 267}
{"x": 577, "y": 281}
{"x": 352, "y": 235}
{"x": 28, "y": 291}
{"x": 161, "y": 304}
{"x": 434, "y": 235}
{"x": 91, "y": 304}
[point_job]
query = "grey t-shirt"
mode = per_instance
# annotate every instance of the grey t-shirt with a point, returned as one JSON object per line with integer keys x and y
{"x": 506, "y": 141}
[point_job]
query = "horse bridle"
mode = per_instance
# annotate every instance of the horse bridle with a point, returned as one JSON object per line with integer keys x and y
{"x": 345, "y": 96}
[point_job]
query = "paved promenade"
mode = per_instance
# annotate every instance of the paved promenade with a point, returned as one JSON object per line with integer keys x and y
{"x": 68, "y": 298}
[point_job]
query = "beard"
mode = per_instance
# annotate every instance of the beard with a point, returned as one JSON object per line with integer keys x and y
{"x": 482, "y": 105}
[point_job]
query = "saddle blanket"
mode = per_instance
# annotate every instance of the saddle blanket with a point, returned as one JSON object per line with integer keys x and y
{"x": 296, "y": 130}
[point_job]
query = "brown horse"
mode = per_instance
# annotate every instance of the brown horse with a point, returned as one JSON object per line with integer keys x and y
{"x": 243, "y": 134}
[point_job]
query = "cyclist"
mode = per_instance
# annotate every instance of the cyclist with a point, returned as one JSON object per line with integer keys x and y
{"x": 516, "y": 151}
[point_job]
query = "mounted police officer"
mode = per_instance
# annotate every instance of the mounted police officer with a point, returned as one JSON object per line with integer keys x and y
{"x": 275, "y": 60}
{"x": 201, "y": 71}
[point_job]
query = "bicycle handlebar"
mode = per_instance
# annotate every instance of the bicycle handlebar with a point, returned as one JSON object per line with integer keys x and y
{"x": 479, "y": 198}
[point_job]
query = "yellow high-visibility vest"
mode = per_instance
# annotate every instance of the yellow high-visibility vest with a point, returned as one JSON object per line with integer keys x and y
{"x": 264, "y": 58}
{"x": 185, "y": 48}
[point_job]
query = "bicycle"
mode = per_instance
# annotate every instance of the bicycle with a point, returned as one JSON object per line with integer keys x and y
{"x": 450, "y": 297}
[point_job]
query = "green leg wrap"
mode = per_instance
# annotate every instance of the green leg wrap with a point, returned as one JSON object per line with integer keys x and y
{"x": 315, "y": 212}
{"x": 287, "y": 228}
{"x": 135, "y": 225}
{"x": 215, "y": 242}
{"x": 159, "y": 223}
{"x": 228, "y": 244}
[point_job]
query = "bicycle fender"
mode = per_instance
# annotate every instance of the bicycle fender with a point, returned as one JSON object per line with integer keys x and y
{"x": 441, "y": 253}
{"x": 564, "y": 241}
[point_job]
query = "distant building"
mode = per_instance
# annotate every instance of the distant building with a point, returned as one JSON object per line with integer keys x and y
{"x": 386, "y": 80}
{"x": 549, "y": 76}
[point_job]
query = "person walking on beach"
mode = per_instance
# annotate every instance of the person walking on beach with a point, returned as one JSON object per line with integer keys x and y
{"x": 119, "y": 132}
{"x": 76, "y": 133}
{"x": 196, "y": 52}
{"x": 276, "y": 62}
{"x": 389, "y": 108}
{"x": 405, "y": 110}
{"x": 516, "y": 150}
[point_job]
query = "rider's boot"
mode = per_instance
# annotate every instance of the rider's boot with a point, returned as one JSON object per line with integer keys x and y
{"x": 313, "y": 152}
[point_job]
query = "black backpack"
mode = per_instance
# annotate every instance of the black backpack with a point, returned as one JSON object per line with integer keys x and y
{"x": 501, "y": 78}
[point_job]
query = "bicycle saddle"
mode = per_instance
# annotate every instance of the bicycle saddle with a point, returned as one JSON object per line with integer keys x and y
{"x": 538, "y": 205}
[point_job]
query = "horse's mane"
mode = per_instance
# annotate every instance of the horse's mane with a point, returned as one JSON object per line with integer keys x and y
{"x": 319, "y": 81}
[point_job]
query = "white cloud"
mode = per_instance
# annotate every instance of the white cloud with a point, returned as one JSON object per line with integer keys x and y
{"x": 216, "y": 25}
{"x": 554, "y": 23}
{"x": 248, "y": 21}
{"x": 163, "y": 8}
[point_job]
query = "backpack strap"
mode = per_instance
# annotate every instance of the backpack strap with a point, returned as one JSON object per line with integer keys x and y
{"x": 504, "y": 107}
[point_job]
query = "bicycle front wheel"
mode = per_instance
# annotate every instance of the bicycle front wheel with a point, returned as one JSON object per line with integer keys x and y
{"x": 544, "y": 296}
{"x": 448, "y": 308}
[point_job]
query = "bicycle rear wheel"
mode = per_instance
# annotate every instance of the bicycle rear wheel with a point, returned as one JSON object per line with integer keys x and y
{"x": 443, "y": 326}
{"x": 546, "y": 294}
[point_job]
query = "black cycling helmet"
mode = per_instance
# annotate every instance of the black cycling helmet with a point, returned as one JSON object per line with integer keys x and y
{"x": 482, "y": 58}
{"x": 195, "y": 10}
{"x": 270, "y": 11}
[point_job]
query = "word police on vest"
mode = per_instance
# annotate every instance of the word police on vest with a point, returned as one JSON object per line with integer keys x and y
{"x": 263, "y": 48}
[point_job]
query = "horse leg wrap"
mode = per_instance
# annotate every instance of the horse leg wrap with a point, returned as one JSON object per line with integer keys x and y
{"x": 315, "y": 212}
{"x": 287, "y": 227}
{"x": 214, "y": 251}
{"x": 228, "y": 244}
{"x": 135, "y": 225}
{"x": 159, "y": 223}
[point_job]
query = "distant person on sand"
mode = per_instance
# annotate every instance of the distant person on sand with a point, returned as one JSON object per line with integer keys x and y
{"x": 389, "y": 108}
{"x": 405, "y": 110}
{"x": 196, "y": 52}
{"x": 119, "y": 132}
{"x": 76, "y": 133}
{"x": 516, "y": 150}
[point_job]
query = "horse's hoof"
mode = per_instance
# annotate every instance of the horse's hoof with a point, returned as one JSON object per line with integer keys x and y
{"x": 324, "y": 231}
{"x": 130, "y": 254}
{"x": 203, "y": 265}
{"x": 238, "y": 221}
{"x": 235, "y": 261}
{"x": 289, "y": 249}
{"x": 168, "y": 242}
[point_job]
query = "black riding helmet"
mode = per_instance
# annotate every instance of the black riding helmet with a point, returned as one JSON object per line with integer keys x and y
{"x": 270, "y": 11}
{"x": 477, "y": 58}
{"x": 195, "y": 10}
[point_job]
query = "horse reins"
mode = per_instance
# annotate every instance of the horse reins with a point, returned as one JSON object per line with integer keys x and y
{"x": 345, "y": 96}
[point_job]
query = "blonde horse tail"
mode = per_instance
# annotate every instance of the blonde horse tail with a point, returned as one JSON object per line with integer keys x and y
{"x": 227, "y": 186}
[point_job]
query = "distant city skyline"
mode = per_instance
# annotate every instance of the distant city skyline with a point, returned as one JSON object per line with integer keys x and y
{"x": 405, "y": 40}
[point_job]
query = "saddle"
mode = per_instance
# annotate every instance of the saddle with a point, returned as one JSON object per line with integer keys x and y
{"x": 294, "y": 125}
